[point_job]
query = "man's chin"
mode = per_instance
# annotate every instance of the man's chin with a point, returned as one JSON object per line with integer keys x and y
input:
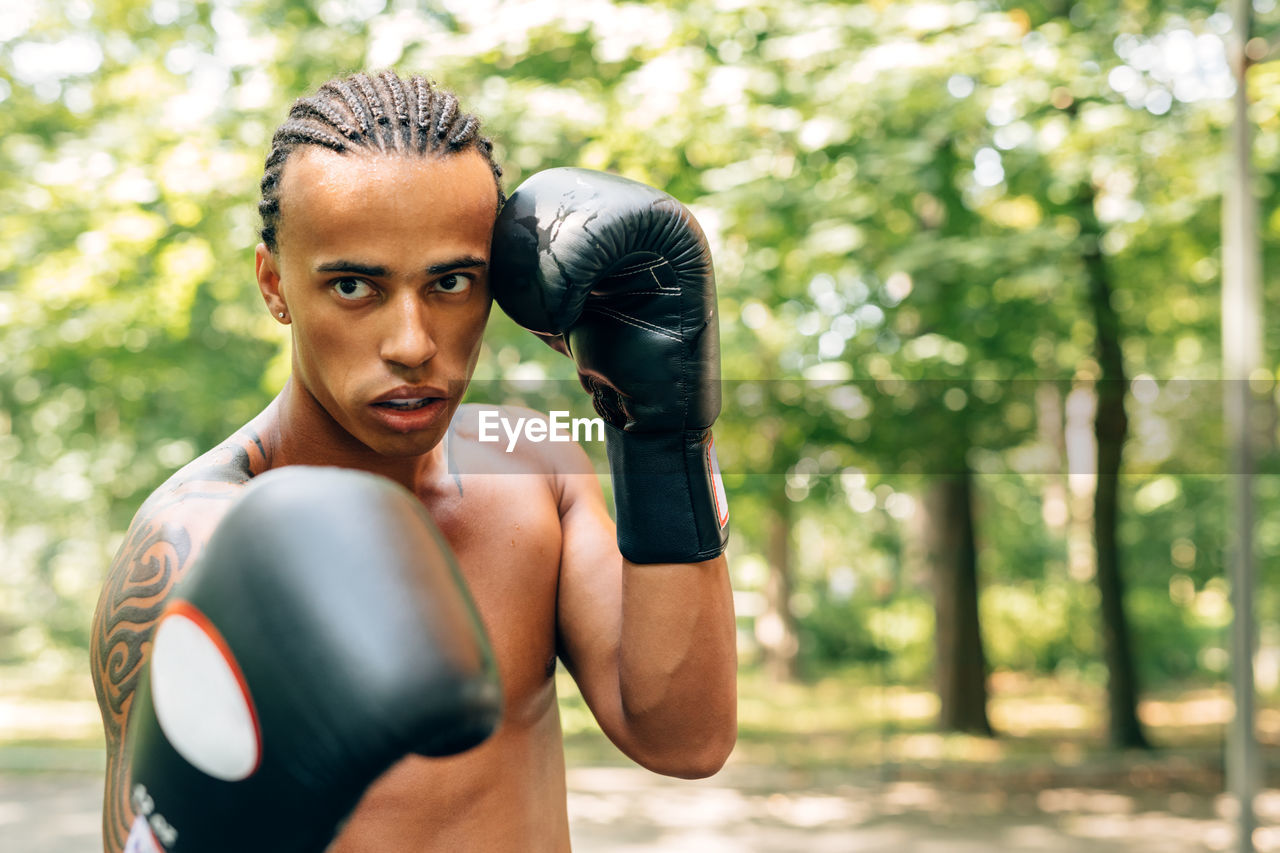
{"x": 406, "y": 446}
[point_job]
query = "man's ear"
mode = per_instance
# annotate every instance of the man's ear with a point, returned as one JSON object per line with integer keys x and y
{"x": 268, "y": 274}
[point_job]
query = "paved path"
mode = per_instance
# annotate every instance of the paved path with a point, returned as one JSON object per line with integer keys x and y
{"x": 745, "y": 810}
{"x": 50, "y": 813}
{"x": 748, "y": 810}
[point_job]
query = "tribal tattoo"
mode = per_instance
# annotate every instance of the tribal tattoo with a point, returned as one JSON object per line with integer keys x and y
{"x": 164, "y": 540}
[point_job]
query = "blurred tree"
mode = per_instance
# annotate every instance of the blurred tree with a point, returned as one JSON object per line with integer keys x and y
{"x": 1110, "y": 427}
{"x": 961, "y": 663}
{"x": 897, "y": 197}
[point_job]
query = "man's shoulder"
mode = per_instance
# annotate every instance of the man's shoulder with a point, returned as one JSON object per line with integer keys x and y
{"x": 184, "y": 508}
{"x": 216, "y": 474}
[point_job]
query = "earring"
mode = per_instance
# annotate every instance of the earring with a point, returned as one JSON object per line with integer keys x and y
{"x": 281, "y": 315}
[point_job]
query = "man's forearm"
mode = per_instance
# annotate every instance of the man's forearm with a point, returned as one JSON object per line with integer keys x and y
{"x": 678, "y": 665}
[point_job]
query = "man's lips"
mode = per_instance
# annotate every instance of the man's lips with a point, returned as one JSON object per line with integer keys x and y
{"x": 410, "y": 408}
{"x": 409, "y": 397}
{"x": 406, "y": 404}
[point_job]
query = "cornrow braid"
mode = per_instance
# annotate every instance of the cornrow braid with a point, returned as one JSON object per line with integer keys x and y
{"x": 396, "y": 87}
{"x": 325, "y": 112}
{"x": 401, "y": 104}
{"x": 448, "y": 115}
{"x": 466, "y": 131}
{"x": 371, "y": 98}
{"x": 353, "y": 103}
{"x": 383, "y": 112}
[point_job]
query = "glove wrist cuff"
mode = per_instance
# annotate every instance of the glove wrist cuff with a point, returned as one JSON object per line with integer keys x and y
{"x": 669, "y": 495}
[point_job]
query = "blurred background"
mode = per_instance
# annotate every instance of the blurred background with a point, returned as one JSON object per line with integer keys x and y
{"x": 970, "y": 260}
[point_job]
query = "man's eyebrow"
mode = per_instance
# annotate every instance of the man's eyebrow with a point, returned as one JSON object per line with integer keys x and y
{"x": 371, "y": 270}
{"x": 376, "y": 271}
{"x": 465, "y": 262}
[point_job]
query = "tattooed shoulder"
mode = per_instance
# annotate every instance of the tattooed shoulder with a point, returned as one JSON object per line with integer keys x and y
{"x": 164, "y": 539}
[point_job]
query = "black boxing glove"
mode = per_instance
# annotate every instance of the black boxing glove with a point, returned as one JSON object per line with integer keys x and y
{"x": 324, "y": 633}
{"x": 618, "y": 275}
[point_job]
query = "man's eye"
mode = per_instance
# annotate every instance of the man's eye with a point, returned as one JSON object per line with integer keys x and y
{"x": 352, "y": 288}
{"x": 454, "y": 283}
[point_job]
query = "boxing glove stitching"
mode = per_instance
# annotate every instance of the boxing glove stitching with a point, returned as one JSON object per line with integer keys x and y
{"x": 648, "y": 266}
{"x": 639, "y": 324}
{"x": 672, "y": 290}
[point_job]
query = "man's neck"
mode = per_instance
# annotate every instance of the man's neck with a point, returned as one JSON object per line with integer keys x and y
{"x": 299, "y": 431}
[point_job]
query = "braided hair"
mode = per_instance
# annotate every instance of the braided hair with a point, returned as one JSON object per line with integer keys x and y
{"x": 379, "y": 113}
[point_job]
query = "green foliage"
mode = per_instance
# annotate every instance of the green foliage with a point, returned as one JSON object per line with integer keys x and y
{"x": 893, "y": 196}
{"x": 1042, "y": 627}
{"x": 836, "y": 631}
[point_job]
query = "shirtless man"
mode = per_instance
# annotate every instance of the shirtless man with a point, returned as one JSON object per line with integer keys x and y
{"x": 379, "y": 207}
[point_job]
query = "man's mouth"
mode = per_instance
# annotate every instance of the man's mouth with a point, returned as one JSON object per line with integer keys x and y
{"x": 406, "y": 404}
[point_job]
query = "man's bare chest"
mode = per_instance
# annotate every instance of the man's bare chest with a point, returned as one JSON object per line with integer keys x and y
{"x": 506, "y": 535}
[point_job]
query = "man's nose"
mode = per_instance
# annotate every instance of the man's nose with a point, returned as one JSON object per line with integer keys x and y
{"x": 407, "y": 340}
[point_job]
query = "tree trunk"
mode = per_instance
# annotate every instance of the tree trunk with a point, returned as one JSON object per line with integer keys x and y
{"x": 961, "y": 665}
{"x": 776, "y": 627}
{"x": 1110, "y": 429}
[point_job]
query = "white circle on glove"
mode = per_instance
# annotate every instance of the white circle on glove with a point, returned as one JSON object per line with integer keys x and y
{"x": 200, "y": 696}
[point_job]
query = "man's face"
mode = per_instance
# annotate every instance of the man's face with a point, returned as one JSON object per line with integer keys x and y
{"x": 382, "y": 268}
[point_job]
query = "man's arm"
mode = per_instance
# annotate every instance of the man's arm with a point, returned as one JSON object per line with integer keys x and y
{"x": 653, "y": 646}
{"x": 160, "y": 546}
{"x": 621, "y": 273}
{"x": 163, "y": 541}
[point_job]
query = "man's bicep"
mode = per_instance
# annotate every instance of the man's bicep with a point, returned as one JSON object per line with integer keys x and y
{"x": 590, "y": 597}
{"x": 159, "y": 547}
{"x": 163, "y": 540}
{"x": 154, "y": 554}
